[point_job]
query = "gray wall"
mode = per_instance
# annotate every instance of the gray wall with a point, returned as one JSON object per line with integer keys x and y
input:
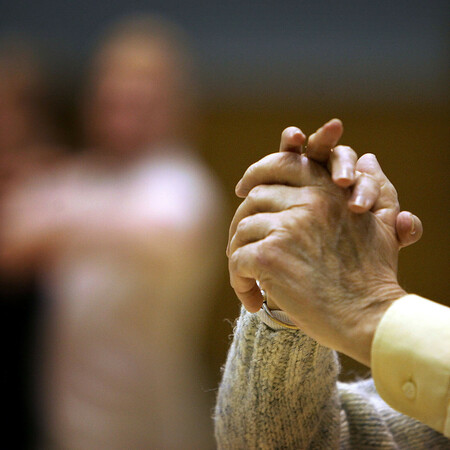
{"x": 342, "y": 49}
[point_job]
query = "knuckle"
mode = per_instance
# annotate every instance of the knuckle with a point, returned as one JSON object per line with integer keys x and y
{"x": 368, "y": 178}
{"x": 268, "y": 253}
{"x": 343, "y": 149}
{"x": 317, "y": 199}
{"x": 255, "y": 193}
{"x": 233, "y": 262}
{"x": 289, "y": 158}
{"x": 280, "y": 166}
{"x": 249, "y": 173}
{"x": 370, "y": 160}
{"x": 295, "y": 220}
{"x": 393, "y": 192}
{"x": 242, "y": 225}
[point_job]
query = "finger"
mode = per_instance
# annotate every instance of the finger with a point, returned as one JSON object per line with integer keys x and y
{"x": 285, "y": 168}
{"x": 323, "y": 140}
{"x": 243, "y": 274}
{"x": 268, "y": 198}
{"x": 292, "y": 140}
{"x": 252, "y": 229}
{"x": 342, "y": 164}
{"x": 365, "y": 193}
{"x": 409, "y": 228}
{"x": 386, "y": 206}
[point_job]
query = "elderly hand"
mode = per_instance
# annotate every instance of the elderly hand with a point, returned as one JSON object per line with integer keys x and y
{"x": 333, "y": 271}
{"x": 341, "y": 162}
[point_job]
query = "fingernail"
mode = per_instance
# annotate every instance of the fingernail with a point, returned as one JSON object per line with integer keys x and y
{"x": 359, "y": 201}
{"x": 412, "y": 230}
{"x": 346, "y": 174}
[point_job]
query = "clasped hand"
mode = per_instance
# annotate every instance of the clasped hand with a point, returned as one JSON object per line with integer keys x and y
{"x": 320, "y": 230}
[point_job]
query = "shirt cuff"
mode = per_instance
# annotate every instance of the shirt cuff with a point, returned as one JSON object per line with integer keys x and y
{"x": 410, "y": 360}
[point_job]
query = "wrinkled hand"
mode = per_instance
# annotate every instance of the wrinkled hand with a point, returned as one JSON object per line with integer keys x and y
{"x": 343, "y": 166}
{"x": 333, "y": 271}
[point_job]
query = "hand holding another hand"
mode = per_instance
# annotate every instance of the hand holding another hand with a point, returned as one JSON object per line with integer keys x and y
{"x": 303, "y": 235}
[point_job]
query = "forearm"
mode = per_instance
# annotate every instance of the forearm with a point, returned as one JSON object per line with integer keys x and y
{"x": 353, "y": 335}
{"x": 35, "y": 229}
{"x": 278, "y": 390}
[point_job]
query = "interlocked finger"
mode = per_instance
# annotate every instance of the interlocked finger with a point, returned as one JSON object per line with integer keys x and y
{"x": 342, "y": 164}
{"x": 324, "y": 140}
{"x": 292, "y": 140}
{"x": 386, "y": 205}
{"x": 286, "y": 168}
{"x": 253, "y": 229}
{"x": 269, "y": 198}
{"x": 365, "y": 193}
{"x": 243, "y": 275}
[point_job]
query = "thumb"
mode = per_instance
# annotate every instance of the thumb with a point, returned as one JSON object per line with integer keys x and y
{"x": 409, "y": 228}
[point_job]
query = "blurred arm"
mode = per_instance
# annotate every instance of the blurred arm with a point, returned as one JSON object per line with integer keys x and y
{"x": 159, "y": 211}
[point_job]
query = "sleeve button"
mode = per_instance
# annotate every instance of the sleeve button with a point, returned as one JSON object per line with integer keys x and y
{"x": 409, "y": 390}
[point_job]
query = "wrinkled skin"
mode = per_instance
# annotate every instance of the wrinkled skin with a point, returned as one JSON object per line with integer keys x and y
{"x": 331, "y": 267}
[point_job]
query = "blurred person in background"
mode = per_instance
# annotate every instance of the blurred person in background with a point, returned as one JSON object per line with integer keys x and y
{"x": 124, "y": 238}
{"x": 29, "y": 144}
{"x": 28, "y": 136}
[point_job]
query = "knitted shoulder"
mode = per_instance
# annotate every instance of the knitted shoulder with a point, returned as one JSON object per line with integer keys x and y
{"x": 371, "y": 419}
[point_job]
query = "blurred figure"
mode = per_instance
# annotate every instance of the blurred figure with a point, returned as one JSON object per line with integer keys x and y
{"x": 142, "y": 91}
{"x": 27, "y": 146}
{"x": 27, "y": 131}
{"x": 124, "y": 239}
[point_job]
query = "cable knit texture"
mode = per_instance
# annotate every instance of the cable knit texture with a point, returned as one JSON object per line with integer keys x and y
{"x": 279, "y": 390}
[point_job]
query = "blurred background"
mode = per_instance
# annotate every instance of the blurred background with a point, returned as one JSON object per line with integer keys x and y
{"x": 382, "y": 67}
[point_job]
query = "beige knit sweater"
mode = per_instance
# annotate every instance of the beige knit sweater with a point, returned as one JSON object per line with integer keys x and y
{"x": 279, "y": 391}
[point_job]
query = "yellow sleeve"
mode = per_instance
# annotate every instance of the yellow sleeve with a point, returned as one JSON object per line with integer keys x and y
{"x": 411, "y": 360}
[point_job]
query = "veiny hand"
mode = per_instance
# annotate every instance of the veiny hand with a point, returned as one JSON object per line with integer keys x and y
{"x": 333, "y": 271}
{"x": 341, "y": 163}
{"x": 345, "y": 171}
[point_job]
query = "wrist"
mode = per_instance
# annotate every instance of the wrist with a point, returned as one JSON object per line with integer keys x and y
{"x": 357, "y": 342}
